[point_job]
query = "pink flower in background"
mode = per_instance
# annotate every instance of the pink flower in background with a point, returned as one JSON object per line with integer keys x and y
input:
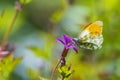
{"x": 3, "y": 53}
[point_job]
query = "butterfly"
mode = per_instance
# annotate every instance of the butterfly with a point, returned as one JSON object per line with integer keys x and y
{"x": 91, "y": 36}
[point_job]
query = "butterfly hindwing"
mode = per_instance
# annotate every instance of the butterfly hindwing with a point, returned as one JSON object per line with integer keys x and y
{"x": 91, "y": 36}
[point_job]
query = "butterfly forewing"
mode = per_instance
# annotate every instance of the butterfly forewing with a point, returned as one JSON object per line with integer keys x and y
{"x": 91, "y": 36}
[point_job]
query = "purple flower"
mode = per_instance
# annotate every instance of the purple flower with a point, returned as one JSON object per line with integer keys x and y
{"x": 68, "y": 43}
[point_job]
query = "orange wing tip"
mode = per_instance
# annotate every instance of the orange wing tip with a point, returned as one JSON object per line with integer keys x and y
{"x": 100, "y": 23}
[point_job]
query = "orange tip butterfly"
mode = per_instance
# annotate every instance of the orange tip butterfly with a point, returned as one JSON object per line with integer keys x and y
{"x": 91, "y": 36}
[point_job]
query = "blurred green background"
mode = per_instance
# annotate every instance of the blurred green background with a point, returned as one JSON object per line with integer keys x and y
{"x": 42, "y": 21}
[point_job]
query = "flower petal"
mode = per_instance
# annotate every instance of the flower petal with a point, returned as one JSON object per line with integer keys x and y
{"x": 0, "y": 49}
{"x": 68, "y": 43}
{"x": 3, "y": 53}
{"x": 74, "y": 48}
{"x": 60, "y": 41}
{"x": 67, "y": 39}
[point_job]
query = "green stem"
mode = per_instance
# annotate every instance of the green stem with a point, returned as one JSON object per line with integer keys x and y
{"x": 63, "y": 55}
{"x": 6, "y": 36}
{"x": 53, "y": 72}
{"x": 62, "y": 78}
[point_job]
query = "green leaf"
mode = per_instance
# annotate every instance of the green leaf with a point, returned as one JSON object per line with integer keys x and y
{"x": 8, "y": 59}
{"x": 64, "y": 71}
{"x": 33, "y": 74}
{"x": 14, "y": 63}
{"x": 57, "y": 15}
{"x": 39, "y": 52}
{"x": 25, "y": 1}
{"x": 41, "y": 78}
{"x": 7, "y": 64}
